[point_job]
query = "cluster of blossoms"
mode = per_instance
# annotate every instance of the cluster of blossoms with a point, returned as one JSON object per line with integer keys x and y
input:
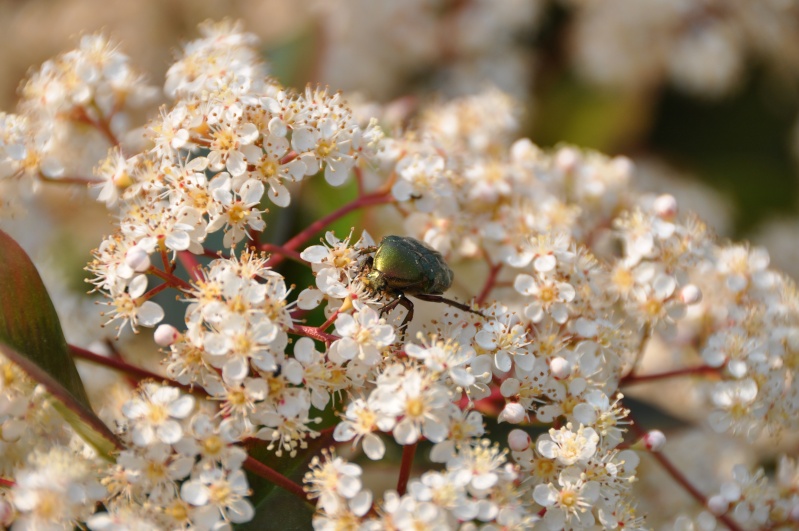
{"x": 235, "y": 349}
{"x": 179, "y": 469}
{"x": 68, "y": 110}
{"x": 573, "y": 272}
{"x": 478, "y": 484}
{"x": 757, "y": 501}
{"x": 232, "y": 137}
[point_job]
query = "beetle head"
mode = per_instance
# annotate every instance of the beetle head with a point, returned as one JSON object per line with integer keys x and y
{"x": 374, "y": 281}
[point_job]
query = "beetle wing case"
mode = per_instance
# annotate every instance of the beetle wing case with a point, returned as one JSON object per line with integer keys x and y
{"x": 411, "y": 266}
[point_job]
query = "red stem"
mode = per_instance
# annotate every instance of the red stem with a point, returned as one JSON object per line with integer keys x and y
{"x": 359, "y": 179}
{"x": 408, "y": 453}
{"x": 6, "y": 483}
{"x": 153, "y": 292}
{"x": 489, "y": 284}
{"x": 260, "y": 469}
{"x": 165, "y": 260}
{"x": 632, "y": 379}
{"x": 379, "y": 198}
{"x": 313, "y": 332}
{"x": 171, "y": 279}
{"x": 682, "y": 480}
{"x": 210, "y": 253}
{"x": 117, "y": 355}
{"x": 329, "y": 322}
{"x": 132, "y": 370}
{"x": 288, "y": 157}
{"x": 101, "y": 124}
{"x": 190, "y": 264}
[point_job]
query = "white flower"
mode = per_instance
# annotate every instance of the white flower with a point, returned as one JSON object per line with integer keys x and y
{"x": 333, "y": 480}
{"x": 551, "y": 297}
{"x": 423, "y": 178}
{"x": 506, "y": 338}
{"x": 569, "y": 504}
{"x": 271, "y": 169}
{"x": 478, "y": 466}
{"x": 567, "y": 446}
{"x": 226, "y": 147}
{"x": 363, "y": 337}
{"x": 237, "y": 215}
{"x": 736, "y": 400}
{"x": 54, "y": 490}
{"x": 445, "y": 356}
{"x": 156, "y": 413}
{"x": 420, "y": 401}
{"x": 464, "y": 427}
{"x": 328, "y": 145}
{"x": 221, "y": 496}
{"x": 360, "y": 420}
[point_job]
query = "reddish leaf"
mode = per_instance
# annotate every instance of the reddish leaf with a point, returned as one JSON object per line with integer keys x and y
{"x": 31, "y": 337}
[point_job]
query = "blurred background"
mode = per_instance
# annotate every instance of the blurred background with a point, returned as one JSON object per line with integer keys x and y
{"x": 702, "y": 94}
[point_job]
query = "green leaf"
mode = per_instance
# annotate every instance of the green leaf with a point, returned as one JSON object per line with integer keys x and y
{"x": 31, "y": 337}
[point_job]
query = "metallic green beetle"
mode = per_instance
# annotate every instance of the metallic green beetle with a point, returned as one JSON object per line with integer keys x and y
{"x": 404, "y": 266}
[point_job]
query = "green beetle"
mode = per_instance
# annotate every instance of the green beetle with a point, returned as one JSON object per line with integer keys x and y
{"x": 403, "y": 266}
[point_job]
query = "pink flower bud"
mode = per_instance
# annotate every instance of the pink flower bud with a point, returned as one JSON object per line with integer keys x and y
{"x": 512, "y": 413}
{"x": 7, "y": 513}
{"x": 165, "y": 335}
{"x": 665, "y": 206}
{"x": 794, "y": 514}
{"x": 566, "y": 160}
{"x": 655, "y": 440}
{"x": 518, "y": 440}
{"x": 560, "y": 368}
{"x": 690, "y": 294}
{"x": 137, "y": 259}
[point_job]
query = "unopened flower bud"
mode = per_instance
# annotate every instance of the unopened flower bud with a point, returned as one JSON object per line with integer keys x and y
{"x": 654, "y": 440}
{"x": 567, "y": 159}
{"x": 690, "y": 294}
{"x": 717, "y": 504}
{"x": 6, "y": 513}
{"x": 665, "y": 206}
{"x": 513, "y": 413}
{"x": 137, "y": 259}
{"x": 518, "y": 440}
{"x": 560, "y": 368}
{"x": 793, "y": 516}
{"x": 165, "y": 335}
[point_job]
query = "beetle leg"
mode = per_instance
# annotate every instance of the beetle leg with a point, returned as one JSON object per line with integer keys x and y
{"x": 367, "y": 250}
{"x": 408, "y": 305}
{"x": 439, "y": 298}
{"x": 387, "y": 307}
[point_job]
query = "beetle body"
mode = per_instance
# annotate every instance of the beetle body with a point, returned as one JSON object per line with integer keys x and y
{"x": 406, "y": 265}
{"x": 403, "y": 266}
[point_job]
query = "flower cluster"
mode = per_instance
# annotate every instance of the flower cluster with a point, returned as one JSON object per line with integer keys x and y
{"x": 228, "y": 141}
{"x": 757, "y": 501}
{"x": 238, "y": 321}
{"x": 181, "y": 469}
{"x": 478, "y": 484}
{"x": 92, "y": 86}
